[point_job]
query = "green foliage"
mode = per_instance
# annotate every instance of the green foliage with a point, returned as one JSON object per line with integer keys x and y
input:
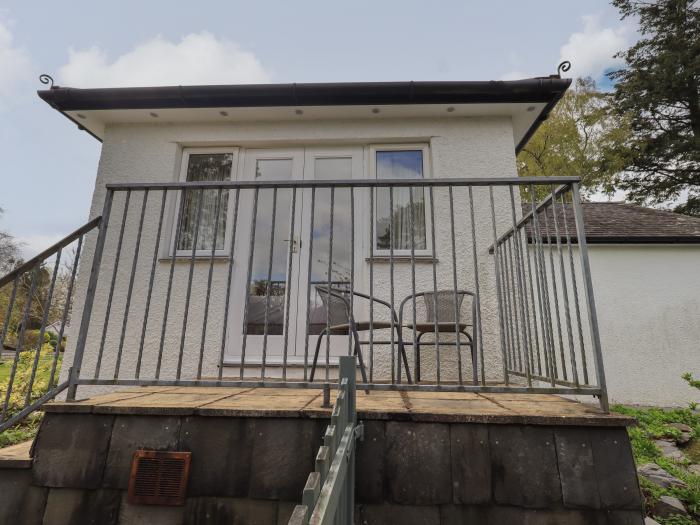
{"x": 658, "y": 90}
{"x": 677, "y": 520}
{"x": 581, "y": 138}
{"x": 691, "y": 381}
{"x": 654, "y": 423}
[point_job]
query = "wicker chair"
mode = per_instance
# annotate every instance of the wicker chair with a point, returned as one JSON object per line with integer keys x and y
{"x": 439, "y": 318}
{"x": 342, "y": 322}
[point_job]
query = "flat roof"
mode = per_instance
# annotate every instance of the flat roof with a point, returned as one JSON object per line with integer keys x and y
{"x": 527, "y": 101}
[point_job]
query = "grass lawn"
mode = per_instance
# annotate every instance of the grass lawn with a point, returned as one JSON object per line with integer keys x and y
{"x": 27, "y": 428}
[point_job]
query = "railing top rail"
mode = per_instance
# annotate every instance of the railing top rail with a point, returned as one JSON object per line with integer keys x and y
{"x": 528, "y": 216}
{"x": 348, "y": 183}
{"x": 50, "y": 251}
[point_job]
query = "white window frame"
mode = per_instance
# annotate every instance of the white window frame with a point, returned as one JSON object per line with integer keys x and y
{"x": 184, "y": 163}
{"x": 372, "y": 174}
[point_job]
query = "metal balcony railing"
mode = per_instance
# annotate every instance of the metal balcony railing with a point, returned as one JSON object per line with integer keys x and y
{"x": 440, "y": 284}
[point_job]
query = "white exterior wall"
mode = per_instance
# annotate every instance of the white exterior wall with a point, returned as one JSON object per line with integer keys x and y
{"x": 459, "y": 147}
{"x": 648, "y": 301}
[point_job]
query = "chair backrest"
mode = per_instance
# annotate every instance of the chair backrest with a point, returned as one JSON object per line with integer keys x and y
{"x": 445, "y": 302}
{"x": 337, "y": 302}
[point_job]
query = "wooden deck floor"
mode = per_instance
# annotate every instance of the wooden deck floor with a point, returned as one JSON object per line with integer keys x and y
{"x": 452, "y": 407}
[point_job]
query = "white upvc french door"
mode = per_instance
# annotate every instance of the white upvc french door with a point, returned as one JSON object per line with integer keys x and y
{"x": 270, "y": 288}
{"x": 343, "y": 256}
{"x": 265, "y": 281}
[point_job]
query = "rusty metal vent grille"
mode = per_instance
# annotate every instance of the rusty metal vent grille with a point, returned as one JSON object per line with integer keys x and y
{"x": 159, "y": 478}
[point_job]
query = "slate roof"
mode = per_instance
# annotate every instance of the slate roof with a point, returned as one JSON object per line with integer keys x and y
{"x": 622, "y": 223}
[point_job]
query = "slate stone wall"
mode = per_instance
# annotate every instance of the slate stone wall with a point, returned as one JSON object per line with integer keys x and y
{"x": 252, "y": 470}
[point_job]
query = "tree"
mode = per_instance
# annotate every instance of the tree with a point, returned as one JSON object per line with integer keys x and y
{"x": 658, "y": 90}
{"x": 580, "y": 138}
{"x": 9, "y": 251}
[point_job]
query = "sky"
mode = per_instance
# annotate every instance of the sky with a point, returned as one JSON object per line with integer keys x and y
{"x": 48, "y": 167}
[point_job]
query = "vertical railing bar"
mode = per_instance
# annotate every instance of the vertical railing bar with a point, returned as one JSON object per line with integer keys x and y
{"x": 352, "y": 262}
{"x": 548, "y": 310}
{"x": 42, "y": 331}
{"x": 395, "y": 370}
{"x": 74, "y": 371}
{"x": 412, "y": 227}
{"x": 574, "y": 285}
{"x": 590, "y": 300}
{"x": 507, "y": 316}
{"x": 517, "y": 342}
{"x": 173, "y": 258}
{"x": 115, "y": 270}
{"x": 268, "y": 288}
{"x": 10, "y": 307}
{"x": 229, "y": 280}
{"x": 330, "y": 277}
{"x": 188, "y": 294}
{"x": 521, "y": 288}
{"x": 555, "y": 292}
{"x": 565, "y": 292}
{"x": 476, "y": 288}
{"x": 435, "y": 289}
{"x": 541, "y": 296}
{"x": 130, "y": 288}
{"x": 525, "y": 297}
{"x": 528, "y": 256}
{"x": 288, "y": 294}
{"x": 217, "y": 211}
{"x": 66, "y": 309}
{"x": 151, "y": 279}
{"x": 454, "y": 287}
{"x": 20, "y": 340}
{"x": 371, "y": 285}
{"x": 246, "y": 304}
{"x": 499, "y": 299}
{"x": 308, "y": 282}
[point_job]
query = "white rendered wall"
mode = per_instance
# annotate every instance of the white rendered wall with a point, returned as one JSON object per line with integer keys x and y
{"x": 648, "y": 301}
{"x": 473, "y": 147}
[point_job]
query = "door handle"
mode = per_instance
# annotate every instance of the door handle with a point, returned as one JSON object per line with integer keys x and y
{"x": 296, "y": 244}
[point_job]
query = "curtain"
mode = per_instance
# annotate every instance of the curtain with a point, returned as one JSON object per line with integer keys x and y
{"x": 406, "y": 164}
{"x": 205, "y": 167}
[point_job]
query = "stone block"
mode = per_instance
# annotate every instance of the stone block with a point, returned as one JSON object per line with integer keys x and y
{"x": 149, "y": 514}
{"x": 82, "y": 507}
{"x": 519, "y": 516}
{"x": 130, "y": 433}
{"x": 388, "y": 514}
{"x": 464, "y": 515}
{"x": 71, "y": 449}
{"x": 524, "y": 466}
{"x": 230, "y": 511}
{"x": 615, "y": 471}
{"x": 283, "y": 454}
{"x": 668, "y": 506}
{"x": 625, "y": 517}
{"x": 21, "y": 502}
{"x": 576, "y": 469}
{"x": 370, "y": 470}
{"x": 221, "y": 455}
{"x": 471, "y": 464}
{"x": 418, "y": 467}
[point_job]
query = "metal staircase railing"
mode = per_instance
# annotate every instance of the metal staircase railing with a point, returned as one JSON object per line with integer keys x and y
{"x": 35, "y": 308}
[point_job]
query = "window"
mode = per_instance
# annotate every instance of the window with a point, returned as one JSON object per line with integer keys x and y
{"x": 199, "y": 166}
{"x": 409, "y": 204}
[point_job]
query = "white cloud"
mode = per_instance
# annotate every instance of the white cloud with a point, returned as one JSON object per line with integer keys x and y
{"x": 591, "y": 50}
{"x": 15, "y": 65}
{"x": 199, "y": 58}
{"x": 31, "y": 245}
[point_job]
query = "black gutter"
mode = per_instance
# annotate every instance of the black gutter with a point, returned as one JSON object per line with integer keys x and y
{"x": 534, "y": 90}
